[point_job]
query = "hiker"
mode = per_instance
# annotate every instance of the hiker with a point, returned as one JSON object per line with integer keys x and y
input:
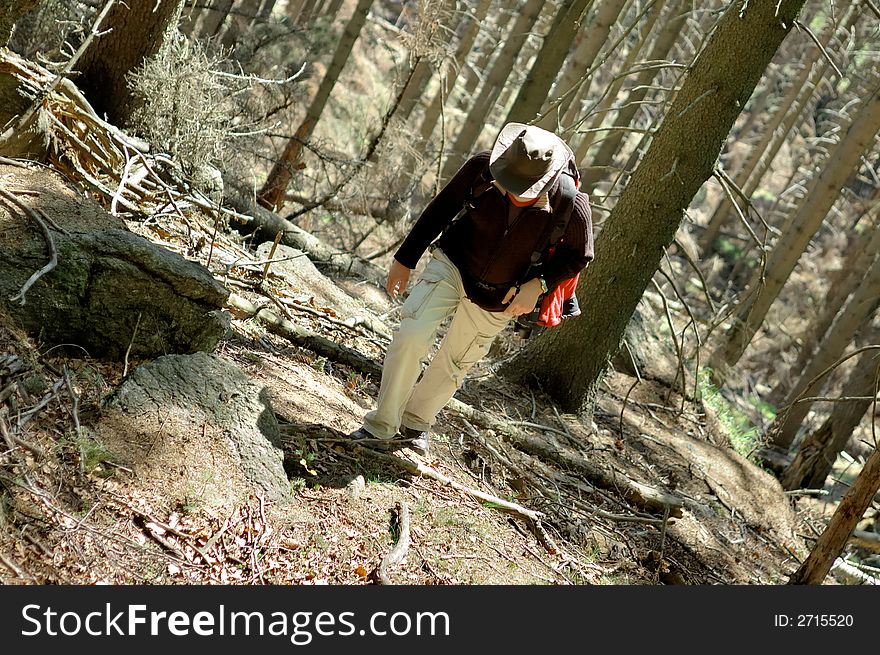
{"x": 494, "y": 219}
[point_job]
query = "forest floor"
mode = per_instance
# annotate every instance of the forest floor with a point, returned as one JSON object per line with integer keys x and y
{"x": 74, "y": 514}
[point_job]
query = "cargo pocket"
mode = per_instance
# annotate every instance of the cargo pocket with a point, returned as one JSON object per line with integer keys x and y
{"x": 418, "y": 297}
{"x": 474, "y": 352}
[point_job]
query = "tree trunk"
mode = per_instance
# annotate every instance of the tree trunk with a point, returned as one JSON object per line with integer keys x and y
{"x": 415, "y": 89}
{"x": 10, "y": 12}
{"x": 245, "y": 16}
{"x": 604, "y": 159}
{"x": 818, "y": 451}
{"x": 570, "y": 360}
{"x": 132, "y": 32}
{"x": 554, "y": 49}
{"x": 823, "y": 190}
{"x": 855, "y": 316}
{"x": 487, "y": 47}
{"x": 494, "y": 82}
{"x": 215, "y": 17}
{"x": 592, "y": 38}
{"x": 848, "y": 279}
{"x": 611, "y": 93}
{"x": 465, "y": 44}
{"x": 272, "y": 193}
{"x": 773, "y": 135}
{"x": 843, "y": 522}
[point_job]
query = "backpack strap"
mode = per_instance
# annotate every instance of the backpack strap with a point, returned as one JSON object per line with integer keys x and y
{"x": 561, "y": 209}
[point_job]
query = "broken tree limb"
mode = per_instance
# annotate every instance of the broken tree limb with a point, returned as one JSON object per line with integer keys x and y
{"x": 396, "y": 555}
{"x": 241, "y": 307}
{"x": 634, "y": 492}
{"x": 267, "y": 224}
{"x": 312, "y": 431}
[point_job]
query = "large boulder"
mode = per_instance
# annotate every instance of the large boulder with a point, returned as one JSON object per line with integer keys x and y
{"x": 112, "y": 291}
{"x": 196, "y": 428}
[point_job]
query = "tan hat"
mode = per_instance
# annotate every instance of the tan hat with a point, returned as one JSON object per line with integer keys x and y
{"x": 526, "y": 160}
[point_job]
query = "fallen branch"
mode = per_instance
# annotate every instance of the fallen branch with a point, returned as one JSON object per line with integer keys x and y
{"x": 396, "y": 555}
{"x": 53, "y": 260}
{"x": 865, "y": 539}
{"x": 635, "y": 492}
{"x": 323, "y": 431}
{"x": 303, "y": 337}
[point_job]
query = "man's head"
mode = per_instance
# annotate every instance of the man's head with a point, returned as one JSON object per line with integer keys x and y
{"x": 526, "y": 160}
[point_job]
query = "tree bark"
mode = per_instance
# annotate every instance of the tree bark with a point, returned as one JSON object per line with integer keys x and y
{"x": 136, "y": 32}
{"x": 554, "y": 49}
{"x": 843, "y": 522}
{"x": 821, "y": 195}
{"x": 570, "y": 360}
{"x": 271, "y": 195}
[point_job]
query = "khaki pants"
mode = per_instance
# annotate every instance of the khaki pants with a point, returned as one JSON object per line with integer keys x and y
{"x": 437, "y": 295}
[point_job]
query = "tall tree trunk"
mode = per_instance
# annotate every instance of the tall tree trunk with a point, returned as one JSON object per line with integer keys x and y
{"x": 854, "y": 317}
{"x": 821, "y": 194}
{"x": 415, "y": 89}
{"x": 465, "y": 44}
{"x": 494, "y": 82}
{"x": 246, "y": 15}
{"x": 860, "y": 256}
{"x": 818, "y": 451}
{"x": 569, "y": 361}
{"x": 294, "y": 8}
{"x": 592, "y": 38}
{"x": 271, "y": 195}
{"x": 487, "y": 49}
{"x": 844, "y": 520}
{"x": 612, "y": 92}
{"x": 774, "y": 134}
{"x": 554, "y": 49}
{"x": 136, "y": 31}
{"x": 604, "y": 159}
{"x": 215, "y": 17}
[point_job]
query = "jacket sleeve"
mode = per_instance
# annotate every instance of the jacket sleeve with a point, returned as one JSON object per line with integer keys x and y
{"x": 440, "y": 211}
{"x": 575, "y": 250}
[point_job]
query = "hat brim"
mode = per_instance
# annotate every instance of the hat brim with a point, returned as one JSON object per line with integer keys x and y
{"x": 515, "y": 185}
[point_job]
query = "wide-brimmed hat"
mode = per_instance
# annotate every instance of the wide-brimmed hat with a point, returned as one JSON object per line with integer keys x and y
{"x": 526, "y": 160}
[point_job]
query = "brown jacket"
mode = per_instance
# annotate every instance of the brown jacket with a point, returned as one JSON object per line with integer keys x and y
{"x": 492, "y": 243}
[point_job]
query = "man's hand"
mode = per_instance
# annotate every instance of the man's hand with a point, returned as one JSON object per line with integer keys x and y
{"x": 398, "y": 279}
{"x": 524, "y": 301}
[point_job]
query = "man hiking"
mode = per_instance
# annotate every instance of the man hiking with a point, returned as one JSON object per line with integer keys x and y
{"x": 494, "y": 220}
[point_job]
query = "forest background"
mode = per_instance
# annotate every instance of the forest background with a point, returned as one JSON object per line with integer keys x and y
{"x": 731, "y": 155}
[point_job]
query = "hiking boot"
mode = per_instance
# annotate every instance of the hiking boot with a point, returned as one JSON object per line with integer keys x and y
{"x": 418, "y": 439}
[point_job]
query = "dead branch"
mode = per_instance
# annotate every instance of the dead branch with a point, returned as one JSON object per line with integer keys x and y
{"x": 396, "y": 555}
{"x": 20, "y": 124}
{"x": 300, "y": 336}
{"x": 865, "y": 539}
{"x": 53, "y": 260}
{"x": 323, "y": 431}
{"x": 635, "y": 492}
